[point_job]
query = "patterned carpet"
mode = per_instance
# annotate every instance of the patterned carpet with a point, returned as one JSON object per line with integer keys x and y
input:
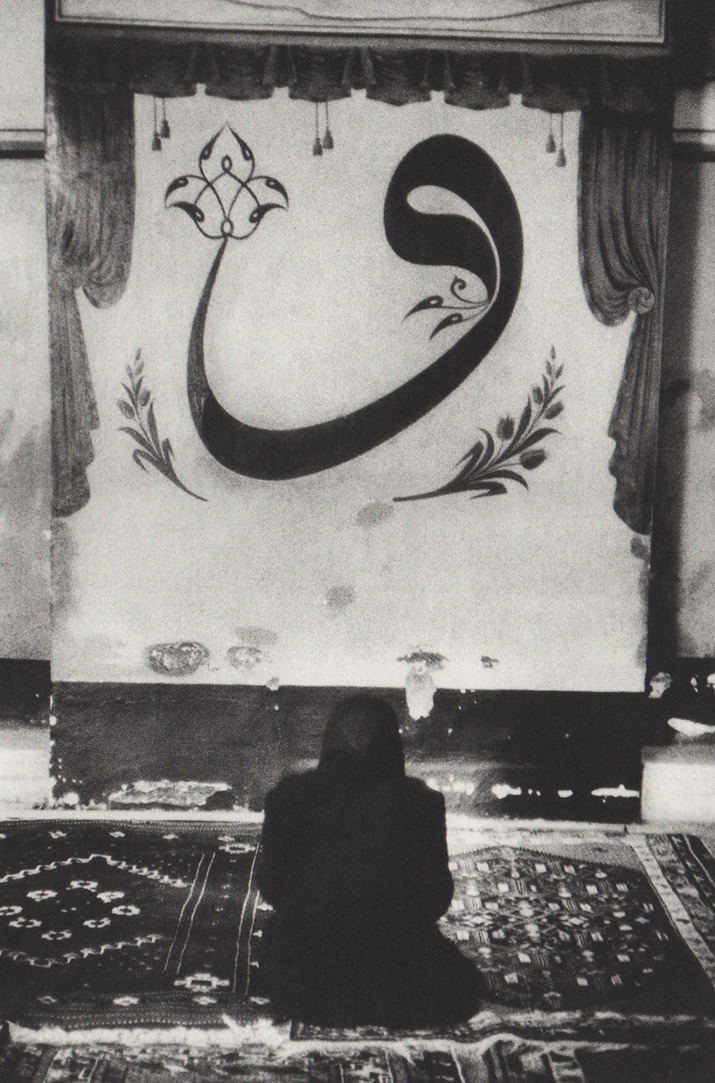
{"x": 506, "y": 1060}
{"x": 118, "y": 925}
{"x": 126, "y": 925}
{"x": 564, "y": 932}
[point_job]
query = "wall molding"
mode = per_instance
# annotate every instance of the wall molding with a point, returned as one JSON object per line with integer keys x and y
{"x": 694, "y": 118}
{"x": 541, "y": 743}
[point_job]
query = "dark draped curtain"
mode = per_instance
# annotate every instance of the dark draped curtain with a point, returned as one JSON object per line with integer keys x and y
{"x": 90, "y": 218}
{"x": 622, "y": 211}
{"x": 624, "y": 186}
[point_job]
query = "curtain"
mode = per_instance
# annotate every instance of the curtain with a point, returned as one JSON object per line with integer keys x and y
{"x": 624, "y": 185}
{"x": 470, "y": 78}
{"x": 90, "y": 218}
{"x": 623, "y": 190}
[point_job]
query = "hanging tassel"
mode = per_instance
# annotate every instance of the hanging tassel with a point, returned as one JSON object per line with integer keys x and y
{"x": 317, "y": 145}
{"x": 164, "y": 130}
{"x": 328, "y": 143}
{"x": 561, "y": 156}
{"x": 550, "y": 141}
{"x": 156, "y": 140}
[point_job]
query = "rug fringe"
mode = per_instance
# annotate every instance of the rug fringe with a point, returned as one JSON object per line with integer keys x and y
{"x": 232, "y": 1036}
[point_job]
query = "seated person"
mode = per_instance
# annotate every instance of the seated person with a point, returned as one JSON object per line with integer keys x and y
{"x": 354, "y": 861}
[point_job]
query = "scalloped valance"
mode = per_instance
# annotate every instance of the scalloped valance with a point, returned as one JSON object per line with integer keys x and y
{"x": 470, "y": 79}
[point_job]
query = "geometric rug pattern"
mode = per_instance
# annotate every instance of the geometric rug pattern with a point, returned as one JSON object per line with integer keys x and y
{"x": 689, "y": 868}
{"x": 560, "y": 932}
{"x": 120, "y": 924}
{"x": 125, "y": 924}
{"x": 506, "y": 1060}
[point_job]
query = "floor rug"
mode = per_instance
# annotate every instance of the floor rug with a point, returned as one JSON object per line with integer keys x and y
{"x": 116, "y": 925}
{"x": 506, "y": 1060}
{"x": 127, "y": 925}
{"x": 605, "y": 937}
{"x": 578, "y": 929}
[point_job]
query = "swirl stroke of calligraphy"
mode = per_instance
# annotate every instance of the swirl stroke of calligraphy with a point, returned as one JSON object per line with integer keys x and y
{"x": 445, "y": 161}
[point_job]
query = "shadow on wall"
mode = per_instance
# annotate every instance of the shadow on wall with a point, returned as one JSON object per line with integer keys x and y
{"x": 24, "y": 691}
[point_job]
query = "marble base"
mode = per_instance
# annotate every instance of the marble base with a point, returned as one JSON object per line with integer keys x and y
{"x": 679, "y": 783}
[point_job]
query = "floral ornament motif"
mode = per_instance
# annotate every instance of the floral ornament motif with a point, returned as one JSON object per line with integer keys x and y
{"x": 202, "y": 982}
{"x": 10, "y": 911}
{"x": 118, "y": 834}
{"x": 110, "y": 896}
{"x": 82, "y": 885}
{"x": 58, "y": 834}
{"x": 57, "y": 934}
{"x": 227, "y": 200}
{"x": 137, "y": 407}
{"x": 125, "y": 1001}
{"x": 461, "y": 307}
{"x": 237, "y": 848}
{"x": 127, "y": 910}
{"x": 487, "y": 466}
{"x": 97, "y": 923}
{"x": 205, "y": 1000}
{"x": 25, "y": 923}
{"x": 42, "y": 895}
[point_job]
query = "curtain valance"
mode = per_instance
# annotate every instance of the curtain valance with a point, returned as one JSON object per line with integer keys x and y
{"x": 472, "y": 80}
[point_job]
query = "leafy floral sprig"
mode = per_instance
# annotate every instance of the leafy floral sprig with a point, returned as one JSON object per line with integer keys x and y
{"x": 137, "y": 407}
{"x": 465, "y": 309}
{"x": 488, "y": 464}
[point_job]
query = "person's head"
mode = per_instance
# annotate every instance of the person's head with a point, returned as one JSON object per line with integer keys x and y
{"x": 362, "y": 740}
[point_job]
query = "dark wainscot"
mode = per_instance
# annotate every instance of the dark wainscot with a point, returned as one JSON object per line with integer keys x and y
{"x": 554, "y": 747}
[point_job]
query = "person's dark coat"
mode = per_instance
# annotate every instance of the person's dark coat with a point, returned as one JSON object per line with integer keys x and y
{"x": 354, "y": 861}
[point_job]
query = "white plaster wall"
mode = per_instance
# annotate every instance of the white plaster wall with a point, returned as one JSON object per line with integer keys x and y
{"x": 22, "y": 60}
{"x": 24, "y": 415}
{"x": 307, "y": 322}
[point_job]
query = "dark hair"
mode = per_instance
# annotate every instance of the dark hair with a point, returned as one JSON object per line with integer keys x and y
{"x": 362, "y": 740}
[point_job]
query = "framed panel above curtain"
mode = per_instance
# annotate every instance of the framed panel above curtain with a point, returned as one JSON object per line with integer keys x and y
{"x": 639, "y": 21}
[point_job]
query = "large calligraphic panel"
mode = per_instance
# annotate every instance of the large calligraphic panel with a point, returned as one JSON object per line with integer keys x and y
{"x": 510, "y": 571}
